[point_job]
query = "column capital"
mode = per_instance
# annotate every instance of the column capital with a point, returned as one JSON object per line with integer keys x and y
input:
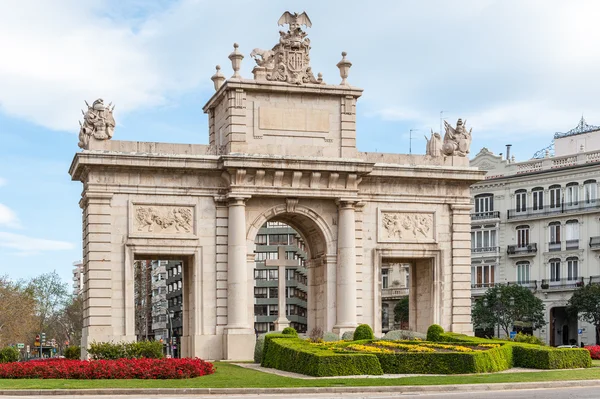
{"x": 456, "y": 208}
{"x": 346, "y": 203}
{"x": 237, "y": 199}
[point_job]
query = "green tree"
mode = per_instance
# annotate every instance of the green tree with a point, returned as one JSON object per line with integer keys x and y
{"x": 585, "y": 305}
{"x": 503, "y": 305}
{"x": 50, "y": 294}
{"x": 17, "y": 312}
{"x": 401, "y": 311}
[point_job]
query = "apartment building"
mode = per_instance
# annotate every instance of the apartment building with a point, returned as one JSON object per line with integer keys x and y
{"x": 270, "y": 237}
{"x": 159, "y": 299}
{"x": 536, "y": 223}
{"x": 77, "y": 278}
{"x": 394, "y": 287}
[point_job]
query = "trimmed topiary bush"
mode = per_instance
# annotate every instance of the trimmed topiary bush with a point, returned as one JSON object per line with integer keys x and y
{"x": 259, "y": 347}
{"x": 433, "y": 333}
{"x": 330, "y": 337}
{"x": 73, "y": 352}
{"x": 9, "y": 355}
{"x": 125, "y": 350}
{"x": 363, "y": 331}
{"x": 403, "y": 335}
{"x": 528, "y": 339}
{"x": 290, "y": 331}
{"x": 536, "y": 357}
{"x": 348, "y": 336}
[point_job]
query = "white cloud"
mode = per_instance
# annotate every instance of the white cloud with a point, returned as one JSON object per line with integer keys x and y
{"x": 24, "y": 245}
{"x": 8, "y": 217}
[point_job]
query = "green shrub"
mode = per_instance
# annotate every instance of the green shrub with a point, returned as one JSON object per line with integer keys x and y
{"x": 290, "y": 331}
{"x": 284, "y": 352}
{"x": 9, "y": 354}
{"x": 433, "y": 333}
{"x": 348, "y": 336}
{"x": 403, "y": 335}
{"x": 128, "y": 350}
{"x": 363, "y": 331}
{"x": 258, "y": 348}
{"x": 528, "y": 339}
{"x": 73, "y": 352}
{"x": 536, "y": 357}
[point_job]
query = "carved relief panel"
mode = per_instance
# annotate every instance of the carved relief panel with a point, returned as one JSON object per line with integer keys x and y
{"x": 161, "y": 220}
{"x": 405, "y": 226}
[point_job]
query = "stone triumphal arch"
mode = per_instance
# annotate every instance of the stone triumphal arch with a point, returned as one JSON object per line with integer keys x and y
{"x": 282, "y": 146}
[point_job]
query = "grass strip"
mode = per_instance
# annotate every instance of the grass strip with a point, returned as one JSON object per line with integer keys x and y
{"x": 231, "y": 376}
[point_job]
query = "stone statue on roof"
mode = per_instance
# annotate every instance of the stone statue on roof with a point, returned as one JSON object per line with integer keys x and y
{"x": 289, "y": 60}
{"x": 98, "y": 123}
{"x": 457, "y": 141}
{"x": 434, "y": 145}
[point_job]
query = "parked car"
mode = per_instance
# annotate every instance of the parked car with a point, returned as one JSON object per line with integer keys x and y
{"x": 567, "y": 346}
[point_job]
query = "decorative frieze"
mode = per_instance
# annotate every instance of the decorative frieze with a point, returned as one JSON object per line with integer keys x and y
{"x": 406, "y": 226}
{"x": 162, "y": 219}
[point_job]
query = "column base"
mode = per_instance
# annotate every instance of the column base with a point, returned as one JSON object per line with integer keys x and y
{"x": 340, "y": 330}
{"x": 280, "y": 324}
{"x": 238, "y": 344}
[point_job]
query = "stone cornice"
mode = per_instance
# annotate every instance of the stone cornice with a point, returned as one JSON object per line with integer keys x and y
{"x": 281, "y": 87}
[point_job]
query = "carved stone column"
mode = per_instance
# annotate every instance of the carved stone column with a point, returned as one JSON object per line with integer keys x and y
{"x": 461, "y": 268}
{"x": 239, "y": 335}
{"x": 346, "y": 268}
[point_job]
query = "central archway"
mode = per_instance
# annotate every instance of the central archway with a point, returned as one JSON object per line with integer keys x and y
{"x": 320, "y": 244}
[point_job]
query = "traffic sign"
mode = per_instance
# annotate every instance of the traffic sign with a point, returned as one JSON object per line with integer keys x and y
{"x": 21, "y": 346}
{"x": 580, "y": 331}
{"x": 513, "y": 334}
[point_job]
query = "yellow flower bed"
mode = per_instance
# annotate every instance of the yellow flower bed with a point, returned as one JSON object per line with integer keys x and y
{"x": 368, "y": 349}
{"x": 489, "y": 345}
{"x": 422, "y": 347}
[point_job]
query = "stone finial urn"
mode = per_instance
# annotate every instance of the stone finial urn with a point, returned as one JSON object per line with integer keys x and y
{"x": 218, "y": 78}
{"x": 236, "y": 61}
{"x": 344, "y": 66}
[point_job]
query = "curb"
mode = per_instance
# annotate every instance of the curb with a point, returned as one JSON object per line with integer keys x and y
{"x": 307, "y": 390}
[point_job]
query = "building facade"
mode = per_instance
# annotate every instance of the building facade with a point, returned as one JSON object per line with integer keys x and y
{"x": 77, "y": 278}
{"x": 159, "y": 300}
{"x": 536, "y": 224}
{"x": 174, "y": 311}
{"x": 271, "y": 236}
{"x": 395, "y": 282}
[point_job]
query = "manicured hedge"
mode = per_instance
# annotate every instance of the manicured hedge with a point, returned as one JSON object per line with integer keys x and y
{"x": 288, "y": 353}
{"x": 491, "y": 360}
{"x": 125, "y": 350}
{"x": 536, "y": 357}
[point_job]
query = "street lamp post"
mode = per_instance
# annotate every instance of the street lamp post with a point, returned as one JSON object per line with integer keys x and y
{"x": 171, "y": 314}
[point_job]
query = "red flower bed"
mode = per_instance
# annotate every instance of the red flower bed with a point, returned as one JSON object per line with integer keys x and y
{"x": 108, "y": 369}
{"x": 594, "y": 351}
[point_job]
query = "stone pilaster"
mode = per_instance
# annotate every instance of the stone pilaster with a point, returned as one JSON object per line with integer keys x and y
{"x": 461, "y": 268}
{"x": 346, "y": 268}
{"x": 98, "y": 284}
{"x": 348, "y": 127}
{"x": 239, "y": 335}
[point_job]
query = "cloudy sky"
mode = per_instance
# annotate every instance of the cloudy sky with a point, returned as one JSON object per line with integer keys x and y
{"x": 518, "y": 71}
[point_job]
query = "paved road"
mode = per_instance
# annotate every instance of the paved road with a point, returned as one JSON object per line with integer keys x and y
{"x": 552, "y": 393}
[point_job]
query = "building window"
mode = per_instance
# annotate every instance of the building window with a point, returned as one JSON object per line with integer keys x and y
{"x": 260, "y": 292}
{"x": 278, "y": 239}
{"x": 260, "y": 310}
{"x": 572, "y": 268}
{"x": 521, "y": 200}
{"x": 572, "y": 234}
{"x": 273, "y": 292}
{"x": 273, "y": 310}
{"x": 572, "y": 194}
{"x": 522, "y": 236}
{"x": 523, "y": 269}
{"x": 261, "y": 239}
{"x": 385, "y": 278}
{"x": 555, "y": 196}
{"x": 484, "y": 203}
{"x": 538, "y": 198}
{"x": 554, "y": 269}
{"x": 482, "y": 276}
{"x": 589, "y": 191}
{"x": 483, "y": 240}
{"x": 554, "y": 244}
{"x": 260, "y": 274}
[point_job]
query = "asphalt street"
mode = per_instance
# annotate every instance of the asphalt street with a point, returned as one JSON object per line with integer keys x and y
{"x": 546, "y": 393}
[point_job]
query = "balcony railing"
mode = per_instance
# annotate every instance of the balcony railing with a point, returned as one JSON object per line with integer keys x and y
{"x": 572, "y": 244}
{"x": 554, "y": 246}
{"x": 524, "y": 250}
{"x": 389, "y": 293}
{"x": 476, "y": 286}
{"x": 595, "y": 242}
{"x": 531, "y": 284}
{"x": 565, "y": 207}
{"x": 485, "y": 250}
{"x": 562, "y": 283}
{"x": 485, "y": 215}
{"x": 594, "y": 280}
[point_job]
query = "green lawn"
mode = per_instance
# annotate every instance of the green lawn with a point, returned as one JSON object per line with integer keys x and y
{"x": 230, "y": 376}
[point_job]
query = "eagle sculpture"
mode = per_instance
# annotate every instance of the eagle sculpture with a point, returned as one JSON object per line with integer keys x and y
{"x": 294, "y": 20}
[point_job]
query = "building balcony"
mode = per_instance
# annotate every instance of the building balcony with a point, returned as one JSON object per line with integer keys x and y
{"x": 485, "y": 215}
{"x": 394, "y": 293}
{"x": 485, "y": 251}
{"x": 595, "y": 243}
{"x": 554, "y": 246}
{"x": 562, "y": 284}
{"x": 480, "y": 288}
{"x": 515, "y": 251}
{"x": 547, "y": 210}
{"x": 594, "y": 280}
{"x": 531, "y": 284}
